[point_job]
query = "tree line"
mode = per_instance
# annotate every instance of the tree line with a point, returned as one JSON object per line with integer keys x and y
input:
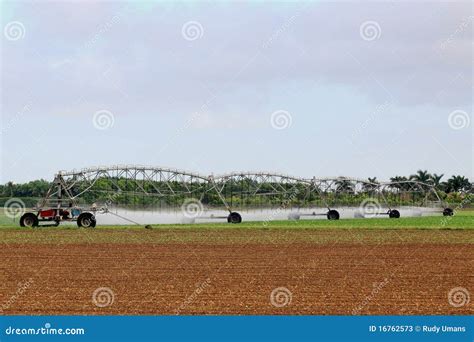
{"x": 452, "y": 189}
{"x": 453, "y": 184}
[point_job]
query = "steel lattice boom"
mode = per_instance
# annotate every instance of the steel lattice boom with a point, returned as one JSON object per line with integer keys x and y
{"x": 166, "y": 187}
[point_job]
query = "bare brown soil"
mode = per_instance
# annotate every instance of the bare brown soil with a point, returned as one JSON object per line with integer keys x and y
{"x": 235, "y": 278}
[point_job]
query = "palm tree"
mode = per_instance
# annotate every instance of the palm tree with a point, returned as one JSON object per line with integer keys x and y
{"x": 371, "y": 185}
{"x": 344, "y": 185}
{"x": 398, "y": 182}
{"x": 9, "y": 189}
{"x": 436, "y": 180}
{"x": 457, "y": 184}
{"x": 421, "y": 176}
{"x": 373, "y": 180}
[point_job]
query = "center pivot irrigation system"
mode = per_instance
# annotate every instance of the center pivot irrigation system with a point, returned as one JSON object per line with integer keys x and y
{"x": 79, "y": 195}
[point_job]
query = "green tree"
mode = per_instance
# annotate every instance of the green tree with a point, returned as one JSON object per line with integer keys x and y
{"x": 398, "y": 183}
{"x": 371, "y": 185}
{"x": 436, "y": 180}
{"x": 421, "y": 176}
{"x": 457, "y": 184}
{"x": 344, "y": 185}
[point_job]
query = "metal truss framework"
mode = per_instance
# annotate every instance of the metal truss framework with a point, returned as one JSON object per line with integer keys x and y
{"x": 233, "y": 190}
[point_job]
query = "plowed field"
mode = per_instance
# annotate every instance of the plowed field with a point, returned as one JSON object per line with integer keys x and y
{"x": 236, "y": 271}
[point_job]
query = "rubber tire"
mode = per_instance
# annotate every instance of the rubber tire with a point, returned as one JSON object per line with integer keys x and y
{"x": 448, "y": 212}
{"x": 234, "y": 217}
{"x": 29, "y": 216}
{"x": 333, "y": 215}
{"x": 86, "y": 216}
{"x": 394, "y": 214}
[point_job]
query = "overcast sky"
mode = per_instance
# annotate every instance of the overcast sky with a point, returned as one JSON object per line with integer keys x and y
{"x": 309, "y": 89}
